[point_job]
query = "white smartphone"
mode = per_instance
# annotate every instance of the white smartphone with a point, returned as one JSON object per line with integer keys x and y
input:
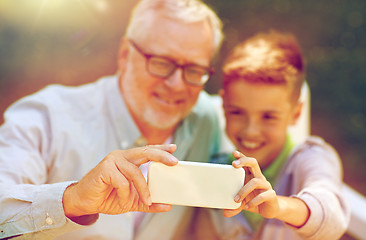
{"x": 195, "y": 184}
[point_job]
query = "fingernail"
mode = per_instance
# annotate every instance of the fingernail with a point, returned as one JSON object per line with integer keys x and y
{"x": 173, "y": 159}
{"x": 238, "y": 154}
{"x": 170, "y": 146}
{"x": 237, "y": 198}
{"x": 149, "y": 202}
{"x": 246, "y": 206}
{"x": 236, "y": 162}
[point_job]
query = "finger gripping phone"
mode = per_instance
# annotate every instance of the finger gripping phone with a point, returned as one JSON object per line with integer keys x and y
{"x": 195, "y": 184}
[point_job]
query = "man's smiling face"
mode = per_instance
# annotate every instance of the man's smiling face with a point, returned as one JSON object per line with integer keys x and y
{"x": 163, "y": 103}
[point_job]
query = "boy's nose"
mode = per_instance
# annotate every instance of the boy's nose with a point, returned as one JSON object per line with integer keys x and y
{"x": 252, "y": 129}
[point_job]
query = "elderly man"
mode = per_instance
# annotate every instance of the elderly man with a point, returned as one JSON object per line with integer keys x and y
{"x": 70, "y": 156}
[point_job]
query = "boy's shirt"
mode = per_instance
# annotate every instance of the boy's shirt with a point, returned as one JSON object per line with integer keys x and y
{"x": 271, "y": 173}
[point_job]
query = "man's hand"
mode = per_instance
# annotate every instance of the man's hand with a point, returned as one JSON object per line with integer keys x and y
{"x": 116, "y": 185}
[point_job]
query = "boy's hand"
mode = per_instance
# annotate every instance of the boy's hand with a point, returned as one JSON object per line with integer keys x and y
{"x": 257, "y": 194}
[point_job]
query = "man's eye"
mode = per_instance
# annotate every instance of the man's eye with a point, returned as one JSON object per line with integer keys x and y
{"x": 158, "y": 63}
{"x": 195, "y": 71}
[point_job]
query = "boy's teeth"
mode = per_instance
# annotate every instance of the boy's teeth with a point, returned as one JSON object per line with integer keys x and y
{"x": 250, "y": 145}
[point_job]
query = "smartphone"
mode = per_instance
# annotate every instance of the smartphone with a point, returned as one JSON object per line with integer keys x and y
{"x": 195, "y": 184}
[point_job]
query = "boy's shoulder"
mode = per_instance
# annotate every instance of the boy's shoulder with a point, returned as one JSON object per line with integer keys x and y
{"x": 314, "y": 148}
{"x": 312, "y": 142}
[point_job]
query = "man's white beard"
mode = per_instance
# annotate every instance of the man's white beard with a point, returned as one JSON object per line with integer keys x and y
{"x": 160, "y": 120}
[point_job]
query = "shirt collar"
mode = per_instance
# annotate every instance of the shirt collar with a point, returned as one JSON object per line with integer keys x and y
{"x": 126, "y": 129}
{"x": 273, "y": 170}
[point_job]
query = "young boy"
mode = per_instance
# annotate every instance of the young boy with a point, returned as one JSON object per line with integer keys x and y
{"x": 290, "y": 192}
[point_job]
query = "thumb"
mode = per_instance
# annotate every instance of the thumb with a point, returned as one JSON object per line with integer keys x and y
{"x": 170, "y": 148}
{"x": 230, "y": 212}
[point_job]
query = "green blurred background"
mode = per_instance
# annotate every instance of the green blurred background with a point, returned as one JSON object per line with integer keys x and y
{"x": 76, "y": 41}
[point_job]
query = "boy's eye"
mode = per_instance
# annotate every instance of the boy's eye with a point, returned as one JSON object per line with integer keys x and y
{"x": 234, "y": 112}
{"x": 269, "y": 116}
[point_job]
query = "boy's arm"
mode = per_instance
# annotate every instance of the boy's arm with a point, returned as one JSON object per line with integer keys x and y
{"x": 318, "y": 173}
{"x": 293, "y": 211}
{"x": 318, "y": 170}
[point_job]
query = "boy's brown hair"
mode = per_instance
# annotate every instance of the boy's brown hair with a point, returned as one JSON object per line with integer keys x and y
{"x": 270, "y": 58}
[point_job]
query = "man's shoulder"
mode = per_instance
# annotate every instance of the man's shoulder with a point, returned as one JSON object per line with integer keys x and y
{"x": 204, "y": 114}
{"x": 206, "y": 105}
{"x": 58, "y": 90}
{"x": 57, "y": 100}
{"x": 56, "y": 95}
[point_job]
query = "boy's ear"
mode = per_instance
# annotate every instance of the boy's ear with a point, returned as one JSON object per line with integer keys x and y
{"x": 296, "y": 113}
{"x": 123, "y": 54}
{"x": 222, "y": 93}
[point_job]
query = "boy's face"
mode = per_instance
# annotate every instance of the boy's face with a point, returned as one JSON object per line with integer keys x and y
{"x": 257, "y": 117}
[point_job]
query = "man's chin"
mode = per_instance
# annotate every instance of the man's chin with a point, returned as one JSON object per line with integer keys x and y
{"x": 164, "y": 118}
{"x": 162, "y": 122}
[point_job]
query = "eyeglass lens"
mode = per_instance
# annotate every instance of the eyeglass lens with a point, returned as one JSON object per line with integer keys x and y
{"x": 162, "y": 67}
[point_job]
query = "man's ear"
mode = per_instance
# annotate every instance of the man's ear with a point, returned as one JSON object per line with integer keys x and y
{"x": 123, "y": 54}
{"x": 296, "y": 113}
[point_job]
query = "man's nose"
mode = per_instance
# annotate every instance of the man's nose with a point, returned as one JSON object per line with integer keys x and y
{"x": 175, "y": 81}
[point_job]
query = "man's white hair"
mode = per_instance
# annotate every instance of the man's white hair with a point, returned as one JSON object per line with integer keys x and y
{"x": 182, "y": 10}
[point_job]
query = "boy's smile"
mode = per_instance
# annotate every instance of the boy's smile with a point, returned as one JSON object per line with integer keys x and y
{"x": 257, "y": 117}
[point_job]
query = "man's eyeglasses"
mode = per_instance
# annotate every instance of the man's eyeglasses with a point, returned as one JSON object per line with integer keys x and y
{"x": 163, "y": 67}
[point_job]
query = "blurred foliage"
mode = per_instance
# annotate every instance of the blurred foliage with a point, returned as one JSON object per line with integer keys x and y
{"x": 73, "y": 42}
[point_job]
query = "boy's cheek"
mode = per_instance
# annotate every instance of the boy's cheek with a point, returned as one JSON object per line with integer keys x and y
{"x": 231, "y": 131}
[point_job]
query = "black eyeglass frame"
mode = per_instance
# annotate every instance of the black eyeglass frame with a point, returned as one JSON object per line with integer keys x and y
{"x": 209, "y": 70}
